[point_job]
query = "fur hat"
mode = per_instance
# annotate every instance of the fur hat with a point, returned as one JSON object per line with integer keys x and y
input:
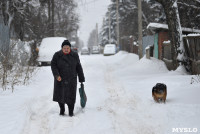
{"x": 66, "y": 42}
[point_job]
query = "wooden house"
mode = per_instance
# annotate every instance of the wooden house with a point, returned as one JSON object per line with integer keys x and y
{"x": 161, "y": 35}
{"x": 162, "y": 46}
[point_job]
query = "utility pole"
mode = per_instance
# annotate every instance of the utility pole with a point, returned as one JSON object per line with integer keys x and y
{"x": 96, "y": 41}
{"x": 117, "y": 4}
{"x": 53, "y": 9}
{"x": 140, "y": 28}
{"x": 109, "y": 27}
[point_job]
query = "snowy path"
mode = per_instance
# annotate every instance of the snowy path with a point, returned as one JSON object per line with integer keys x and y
{"x": 119, "y": 101}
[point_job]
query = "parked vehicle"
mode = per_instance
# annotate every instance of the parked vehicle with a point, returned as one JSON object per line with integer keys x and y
{"x": 109, "y": 49}
{"x": 74, "y": 47}
{"x": 85, "y": 51}
{"x": 47, "y": 49}
{"x": 95, "y": 50}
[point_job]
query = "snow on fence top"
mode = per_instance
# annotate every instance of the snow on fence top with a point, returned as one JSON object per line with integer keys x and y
{"x": 48, "y": 47}
{"x": 165, "y": 26}
{"x": 166, "y": 42}
{"x": 193, "y": 35}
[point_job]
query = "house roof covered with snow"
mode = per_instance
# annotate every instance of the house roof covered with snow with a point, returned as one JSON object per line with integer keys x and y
{"x": 156, "y": 26}
{"x": 48, "y": 47}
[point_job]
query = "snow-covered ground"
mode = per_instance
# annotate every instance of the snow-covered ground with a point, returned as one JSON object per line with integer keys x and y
{"x": 119, "y": 96}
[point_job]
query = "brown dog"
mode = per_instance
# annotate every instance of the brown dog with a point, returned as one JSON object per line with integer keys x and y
{"x": 159, "y": 92}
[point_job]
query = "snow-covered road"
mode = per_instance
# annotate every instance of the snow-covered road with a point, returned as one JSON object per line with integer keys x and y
{"x": 118, "y": 89}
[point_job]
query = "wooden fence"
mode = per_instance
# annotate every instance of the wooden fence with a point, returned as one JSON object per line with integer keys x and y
{"x": 192, "y": 51}
{"x": 167, "y": 56}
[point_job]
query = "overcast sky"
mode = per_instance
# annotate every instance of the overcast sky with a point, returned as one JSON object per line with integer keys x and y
{"x": 91, "y": 12}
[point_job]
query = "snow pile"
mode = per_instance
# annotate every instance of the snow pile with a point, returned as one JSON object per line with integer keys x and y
{"x": 179, "y": 71}
{"x": 48, "y": 47}
{"x": 129, "y": 63}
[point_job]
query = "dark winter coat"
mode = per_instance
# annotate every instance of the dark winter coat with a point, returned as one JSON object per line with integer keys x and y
{"x": 67, "y": 67}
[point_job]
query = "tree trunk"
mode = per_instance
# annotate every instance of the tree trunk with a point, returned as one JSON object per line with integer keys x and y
{"x": 52, "y": 26}
{"x": 140, "y": 28}
{"x": 175, "y": 31}
{"x": 49, "y": 16}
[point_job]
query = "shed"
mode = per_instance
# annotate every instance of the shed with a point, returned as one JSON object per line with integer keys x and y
{"x": 161, "y": 35}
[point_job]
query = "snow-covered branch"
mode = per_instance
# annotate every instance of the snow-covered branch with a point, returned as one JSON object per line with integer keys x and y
{"x": 198, "y": 1}
{"x": 192, "y": 6}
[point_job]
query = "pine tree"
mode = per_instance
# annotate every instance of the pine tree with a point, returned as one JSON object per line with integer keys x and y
{"x": 152, "y": 12}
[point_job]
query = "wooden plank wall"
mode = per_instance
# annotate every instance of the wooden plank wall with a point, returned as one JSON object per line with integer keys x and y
{"x": 192, "y": 51}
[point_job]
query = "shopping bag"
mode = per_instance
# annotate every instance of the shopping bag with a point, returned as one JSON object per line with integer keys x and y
{"x": 83, "y": 97}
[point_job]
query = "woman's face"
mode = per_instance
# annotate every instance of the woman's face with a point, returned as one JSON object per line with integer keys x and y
{"x": 66, "y": 49}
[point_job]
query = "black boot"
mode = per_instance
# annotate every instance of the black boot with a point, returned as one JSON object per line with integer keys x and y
{"x": 62, "y": 108}
{"x": 71, "y": 109}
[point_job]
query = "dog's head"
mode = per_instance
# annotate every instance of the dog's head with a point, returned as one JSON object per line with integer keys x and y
{"x": 159, "y": 88}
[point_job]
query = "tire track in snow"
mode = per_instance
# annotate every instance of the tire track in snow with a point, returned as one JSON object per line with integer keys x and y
{"x": 38, "y": 120}
{"x": 44, "y": 118}
{"x": 124, "y": 109}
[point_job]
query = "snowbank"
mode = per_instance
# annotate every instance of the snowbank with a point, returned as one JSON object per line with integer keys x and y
{"x": 129, "y": 63}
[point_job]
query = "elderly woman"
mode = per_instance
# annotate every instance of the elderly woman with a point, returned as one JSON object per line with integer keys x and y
{"x": 65, "y": 67}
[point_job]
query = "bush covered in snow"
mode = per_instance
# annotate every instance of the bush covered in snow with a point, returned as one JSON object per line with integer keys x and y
{"x": 15, "y": 64}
